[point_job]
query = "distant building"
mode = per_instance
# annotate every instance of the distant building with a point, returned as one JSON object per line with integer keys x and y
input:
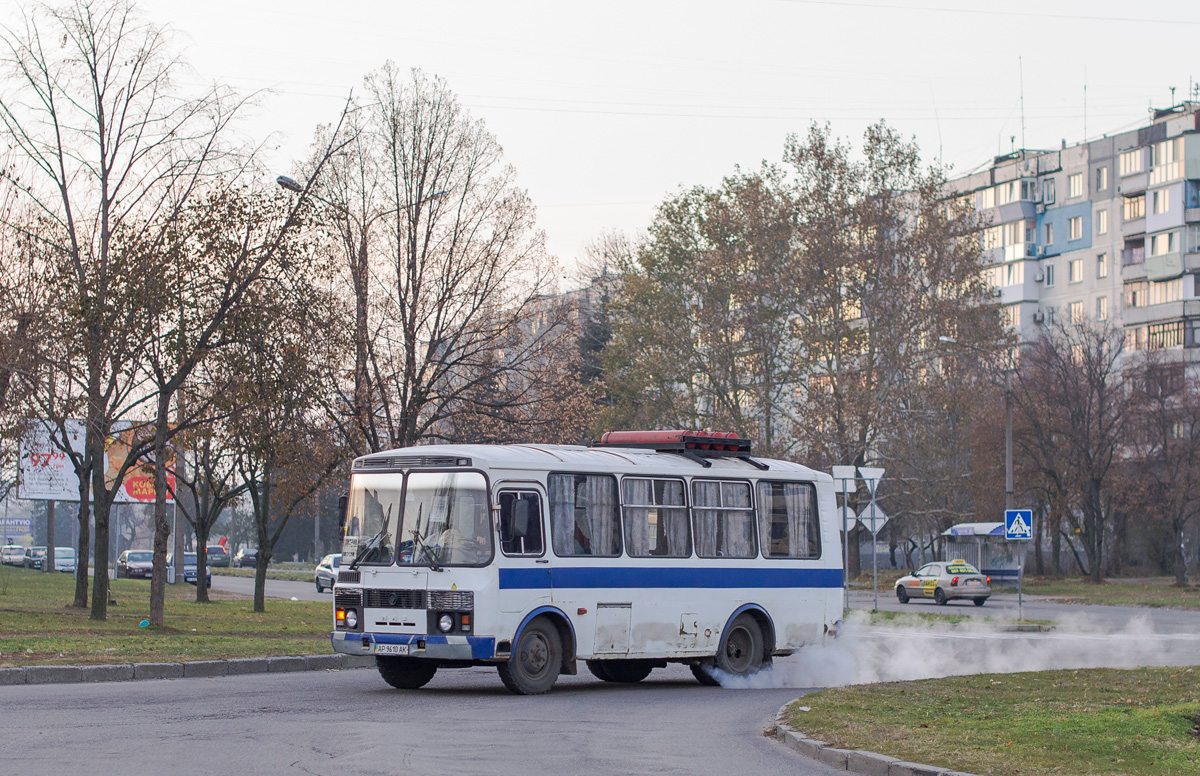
{"x": 1107, "y": 229}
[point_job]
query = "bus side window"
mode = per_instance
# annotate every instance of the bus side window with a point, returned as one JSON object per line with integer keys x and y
{"x": 521, "y": 524}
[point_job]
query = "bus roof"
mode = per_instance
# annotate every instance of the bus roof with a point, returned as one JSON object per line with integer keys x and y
{"x": 622, "y": 460}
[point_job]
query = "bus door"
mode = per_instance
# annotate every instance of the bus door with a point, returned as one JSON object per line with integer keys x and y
{"x": 523, "y": 563}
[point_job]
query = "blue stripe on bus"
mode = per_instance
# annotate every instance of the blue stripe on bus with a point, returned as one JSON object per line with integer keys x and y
{"x": 626, "y": 577}
{"x": 481, "y": 646}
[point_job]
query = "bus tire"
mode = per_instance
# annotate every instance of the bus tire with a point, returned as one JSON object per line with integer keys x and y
{"x": 741, "y": 652}
{"x": 901, "y": 595}
{"x": 703, "y": 674}
{"x": 536, "y": 659}
{"x": 405, "y": 673}
{"x": 621, "y": 671}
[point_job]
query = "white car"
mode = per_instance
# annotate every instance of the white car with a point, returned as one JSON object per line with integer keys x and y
{"x": 326, "y": 572}
{"x": 12, "y": 555}
{"x": 65, "y": 560}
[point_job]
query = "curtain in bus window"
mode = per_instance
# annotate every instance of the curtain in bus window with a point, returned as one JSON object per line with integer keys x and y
{"x": 724, "y": 522}
{"x": 655, "y": 518}
{"x": 787, "y": 520}
{"x": 583, "y": 515}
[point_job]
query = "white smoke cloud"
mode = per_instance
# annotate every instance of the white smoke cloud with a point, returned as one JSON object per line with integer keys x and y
{"x": 865, "y": 654}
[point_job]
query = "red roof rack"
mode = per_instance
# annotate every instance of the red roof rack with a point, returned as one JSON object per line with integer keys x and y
{"x": 703, "y": 443}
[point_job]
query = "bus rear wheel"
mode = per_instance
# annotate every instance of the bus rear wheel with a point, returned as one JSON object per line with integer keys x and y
{"x": 621, "y": 671}
{"x": 741, "y": 653}
{"x": 405, "y": 673}
{"x": 536, "y": 659}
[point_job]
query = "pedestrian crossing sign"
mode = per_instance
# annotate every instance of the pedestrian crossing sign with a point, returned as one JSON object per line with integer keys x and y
{"x": 1018, "y": 524}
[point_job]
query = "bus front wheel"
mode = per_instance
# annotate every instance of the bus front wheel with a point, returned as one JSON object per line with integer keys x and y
{"x": 536, "y": 659}
{"x": 742, "y": 652}
{"x": 405, "y": 673}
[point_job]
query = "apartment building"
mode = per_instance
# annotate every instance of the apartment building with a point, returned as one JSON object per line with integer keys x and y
{"x": 1107, "y": 229}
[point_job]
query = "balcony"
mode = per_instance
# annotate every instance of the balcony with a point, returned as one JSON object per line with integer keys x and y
{"x": 1164, "y": 266}
{"x": 1163, "y": 173}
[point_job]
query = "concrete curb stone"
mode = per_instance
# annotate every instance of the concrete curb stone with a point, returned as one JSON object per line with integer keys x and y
{"x": 52, "y": 674}
{"x": 205, "y": 668}
{"x": 124, "y": 672}
{"x": 10, "y": 676}
{"x": 278, "y": 665}
{"x": 110, "y": 673}
{"x": 158, "y": 670}
{"x": 247, "y": 665}
{"x": 854, "y": 761}
{"x": 869, "y": 763}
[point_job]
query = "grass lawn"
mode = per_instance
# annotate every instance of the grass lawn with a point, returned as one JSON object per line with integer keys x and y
{"x": 282, "y": 575}
{"x": 1154, "y": 591}
{"x": 1066, "y": 723}
{"x": 38, "y": 626}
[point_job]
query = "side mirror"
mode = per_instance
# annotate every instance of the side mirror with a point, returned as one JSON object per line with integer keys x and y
{"x": 343, "y": 506}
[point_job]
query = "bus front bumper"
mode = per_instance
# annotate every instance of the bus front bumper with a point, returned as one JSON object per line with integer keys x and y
{"x": 437, "y": 647}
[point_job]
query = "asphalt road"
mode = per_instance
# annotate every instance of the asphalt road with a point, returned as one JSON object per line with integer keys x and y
{"x": 463, "y": 722}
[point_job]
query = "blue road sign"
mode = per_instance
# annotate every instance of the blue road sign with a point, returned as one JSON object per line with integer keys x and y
{"x": 1018, "y": 524}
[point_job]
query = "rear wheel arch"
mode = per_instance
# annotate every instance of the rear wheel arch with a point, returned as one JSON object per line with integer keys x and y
{"x": 765, "y": 624}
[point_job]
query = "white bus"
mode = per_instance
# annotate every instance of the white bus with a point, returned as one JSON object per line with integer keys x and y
{"x": 643, "y": 549}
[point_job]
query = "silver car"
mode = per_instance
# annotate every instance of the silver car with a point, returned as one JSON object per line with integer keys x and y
{"x": 943, "y": 581}
{"x": 326, "y": 572}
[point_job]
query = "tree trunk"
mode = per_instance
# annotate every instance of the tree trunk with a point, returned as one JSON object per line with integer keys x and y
{"x": 162, "y": 527}
{"x": 48, "y": 561}
{"x": 83, "y": 546}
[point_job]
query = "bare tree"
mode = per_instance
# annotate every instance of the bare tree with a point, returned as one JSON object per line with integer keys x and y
{"x": 443, "y": 259}
{"x": 1073, "y": 413}
{"x": 1166, "y": 451}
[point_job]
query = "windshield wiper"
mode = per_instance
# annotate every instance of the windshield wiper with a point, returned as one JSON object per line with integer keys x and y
{"x": 375, "y": 540}
{"x": 427, "y": 553}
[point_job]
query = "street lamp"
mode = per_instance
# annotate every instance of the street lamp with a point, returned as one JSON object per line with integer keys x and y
{"x": 292, "y": 185}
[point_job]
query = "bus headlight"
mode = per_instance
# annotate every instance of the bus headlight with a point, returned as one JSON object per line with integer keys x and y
{"x": 351, "y": 619}
{"x": 445, "y": 623}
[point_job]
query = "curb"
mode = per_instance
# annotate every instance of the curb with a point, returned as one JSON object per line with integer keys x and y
{"x": 200, "y": 668}
{"x": 852, "y": 760}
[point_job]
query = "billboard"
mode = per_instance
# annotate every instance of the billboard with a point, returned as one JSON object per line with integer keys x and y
{"x": 45, "y": 471}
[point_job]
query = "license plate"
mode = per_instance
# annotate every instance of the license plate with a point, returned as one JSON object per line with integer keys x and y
{"x": 972, "y": 581}
{"x": 391, "y": 649}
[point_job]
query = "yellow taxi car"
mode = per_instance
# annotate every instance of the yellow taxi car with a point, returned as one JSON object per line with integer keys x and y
{"x": 943, "y": 581}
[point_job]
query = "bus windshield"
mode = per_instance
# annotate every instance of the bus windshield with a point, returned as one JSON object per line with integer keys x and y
{"x": 443, "y": 520}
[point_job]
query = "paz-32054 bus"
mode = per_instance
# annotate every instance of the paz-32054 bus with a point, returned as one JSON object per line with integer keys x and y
{"x": 642, "y": 549}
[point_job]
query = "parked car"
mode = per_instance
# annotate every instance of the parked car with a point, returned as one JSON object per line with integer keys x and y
{"x": 65, "y": 560}
{"x": 943, "y": 581}
{"x": 327, "y": 571}
{"x": 189, "y": 569}
{"x": 218, "y": 556}
{"x": 246, "y": 558}
{"x": 33, "y": 557}
{"x": 135, "y": 564}
{"x": 12, "y": 555}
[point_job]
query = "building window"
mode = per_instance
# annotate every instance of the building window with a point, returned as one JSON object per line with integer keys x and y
{"x": 1075, "y": 227}
{"x": 1193, "y": 238}
{"x": 1102, "y": 265}
{"x": 1075, "y": 185}
{"x": 1166, "y": 291}
{"x": 1164, "y": 335}
{"x": 1049, "y": 234}
{"x": 1134, "y": 251}
{"x": 1075, "y": 312}
{"x": 1135, "y": 294}
{"x": 1101, "y": 179}
{"x": 1161, "y": 244}
{"x": 1135, "y": 207}
{"x": 1160, "y": 201}
{"x": 1102, "y": 308}
{"x": 1075, "y": 271}
{"x": 1011, "y": 315}
{"x": 1028, "y": 189}
{"x": 1048, "y": 191}
{"x": 1049, "y": 273}
{"x": 1102, "y": 221}
{"x": 1130, "y": 162}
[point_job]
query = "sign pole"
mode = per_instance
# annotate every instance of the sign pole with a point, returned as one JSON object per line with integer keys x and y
{"x": 1018, "y": 526}
{"x": 842, "y": 474}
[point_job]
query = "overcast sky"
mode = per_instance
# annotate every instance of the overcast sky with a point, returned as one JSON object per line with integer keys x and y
{"x": 605, "y": 108}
